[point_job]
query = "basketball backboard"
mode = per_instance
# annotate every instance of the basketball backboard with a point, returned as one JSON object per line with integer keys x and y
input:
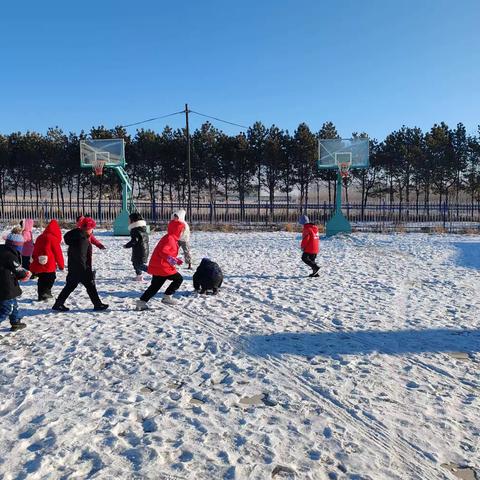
{"x": 336, "y": 151}
{"x": 110, "y": 152}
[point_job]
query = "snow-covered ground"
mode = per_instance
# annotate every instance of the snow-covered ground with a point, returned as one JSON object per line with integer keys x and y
{"x": 371, "y": 371}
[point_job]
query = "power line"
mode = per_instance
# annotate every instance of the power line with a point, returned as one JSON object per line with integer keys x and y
{"x": 218, "y": 119}
{"x": 180, "y": 112}
{"x": 152, "y": 119}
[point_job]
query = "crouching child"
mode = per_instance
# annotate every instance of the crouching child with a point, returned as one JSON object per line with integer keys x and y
{"x": 207, "y": 277}
{"x": 11, "y": 271}
{"x": 163, "y": 265}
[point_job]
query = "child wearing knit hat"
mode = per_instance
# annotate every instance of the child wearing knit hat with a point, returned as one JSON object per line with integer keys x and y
{"x": 310, "y": 244}
{"x": 11, "y": 271}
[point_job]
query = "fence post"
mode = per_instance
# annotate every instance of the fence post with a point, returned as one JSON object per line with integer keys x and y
{"x": 445, "y": 215}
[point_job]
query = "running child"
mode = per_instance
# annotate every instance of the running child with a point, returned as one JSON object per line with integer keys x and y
{"x": 80, "y": 266}
{"x": 310, "y": 244}
{"x": 163, "y": 267}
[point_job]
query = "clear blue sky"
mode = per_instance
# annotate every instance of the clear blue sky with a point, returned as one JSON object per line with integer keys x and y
{"x": 366, "y": 65}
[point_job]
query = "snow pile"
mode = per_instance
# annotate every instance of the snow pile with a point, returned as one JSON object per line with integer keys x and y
{"x": 370, "y": 371}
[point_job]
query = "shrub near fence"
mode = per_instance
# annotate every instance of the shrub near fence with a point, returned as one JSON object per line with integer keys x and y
{"x": 373, "y": 216}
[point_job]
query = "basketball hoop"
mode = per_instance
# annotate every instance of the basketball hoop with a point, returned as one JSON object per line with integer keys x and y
{"x": 98, "y": 166}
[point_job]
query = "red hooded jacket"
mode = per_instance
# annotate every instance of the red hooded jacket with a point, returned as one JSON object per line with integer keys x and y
{"x": 310, "y": 239}
{"x": 166, "y": 247}
{"x": 48, "y": 248}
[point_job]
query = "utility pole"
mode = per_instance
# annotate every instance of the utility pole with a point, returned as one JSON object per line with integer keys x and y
{"x": 189, "y": 167}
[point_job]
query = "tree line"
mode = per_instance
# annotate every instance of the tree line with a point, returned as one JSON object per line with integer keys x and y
{"x": 408, "y": 166}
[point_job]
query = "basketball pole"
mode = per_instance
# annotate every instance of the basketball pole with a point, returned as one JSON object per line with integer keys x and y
{"x": 189, "y": 166}
{"x": 338, "y": 223}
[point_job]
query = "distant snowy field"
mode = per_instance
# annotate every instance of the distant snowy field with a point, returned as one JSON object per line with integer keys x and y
{"x": 371, "y": 371}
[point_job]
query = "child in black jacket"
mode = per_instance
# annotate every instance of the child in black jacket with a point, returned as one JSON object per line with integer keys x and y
{"x": 80, "y": 266}
{"x": 11, "y": 271}
{"x": 138, "y": 244}
{"x": 208, "y": 276}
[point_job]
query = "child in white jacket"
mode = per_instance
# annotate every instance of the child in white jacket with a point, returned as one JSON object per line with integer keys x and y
{"x": 184, "y": 241}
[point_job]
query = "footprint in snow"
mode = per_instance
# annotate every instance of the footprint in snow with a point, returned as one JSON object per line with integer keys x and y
{"x": 412, "y": 385}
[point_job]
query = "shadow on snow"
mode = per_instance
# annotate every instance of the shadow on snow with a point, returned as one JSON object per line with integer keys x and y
{"x": 362, "y": 342}
{"x": 468, "y": 254}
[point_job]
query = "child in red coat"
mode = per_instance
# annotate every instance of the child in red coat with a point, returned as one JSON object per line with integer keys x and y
{"x": 310, "y": 244}
{"x": 47, "y": 256}
{"x": 162, "y": 266}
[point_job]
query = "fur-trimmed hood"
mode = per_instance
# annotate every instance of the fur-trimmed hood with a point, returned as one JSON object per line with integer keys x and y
{"x": 185, "y": 237}
{"x": 180, "y": 214}
{"x": 137, "y": 224}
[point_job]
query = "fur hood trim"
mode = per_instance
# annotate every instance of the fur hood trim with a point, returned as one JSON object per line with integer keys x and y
{"x": 140, "y": 223}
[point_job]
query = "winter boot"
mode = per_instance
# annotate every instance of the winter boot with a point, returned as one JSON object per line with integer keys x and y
{"x": 100, "y": 307}
{"x": 169, "y": 300}
{"x": 139, "y": 278}
{"x": 189, "y": 266}
{"x": 60, "y": 308}
{"x": 17, "y": 326}
{"x": 315, "y": 271}
{"x": 141, "y": 306}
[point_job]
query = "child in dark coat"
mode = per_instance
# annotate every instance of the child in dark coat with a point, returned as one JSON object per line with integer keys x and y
{"x": 138, "y": 244}
{"x": 11, "y": 271}
{"x": 208, "y": 276}
{"x": 80, "y": 266}
{"x": 310, "y": 244}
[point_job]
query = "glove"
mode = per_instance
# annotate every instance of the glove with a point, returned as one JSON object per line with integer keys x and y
{"x": 102, "y": 247}
{"x": 27, "y": 276}
{"x": 174, "y": 261}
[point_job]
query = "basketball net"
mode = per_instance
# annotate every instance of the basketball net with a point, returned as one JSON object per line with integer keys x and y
{"x": 344, "y": 168}
{"x": 98, "y": 166}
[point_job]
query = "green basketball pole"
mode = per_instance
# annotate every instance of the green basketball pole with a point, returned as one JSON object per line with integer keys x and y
{"x": 120, "y": 227}
{"x": 338, "y": 223}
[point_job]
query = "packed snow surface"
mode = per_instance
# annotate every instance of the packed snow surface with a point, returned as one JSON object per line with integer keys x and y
{"x": 370, "y": 371}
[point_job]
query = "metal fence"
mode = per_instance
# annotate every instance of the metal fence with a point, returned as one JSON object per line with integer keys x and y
{"x": 373, "y": 216}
